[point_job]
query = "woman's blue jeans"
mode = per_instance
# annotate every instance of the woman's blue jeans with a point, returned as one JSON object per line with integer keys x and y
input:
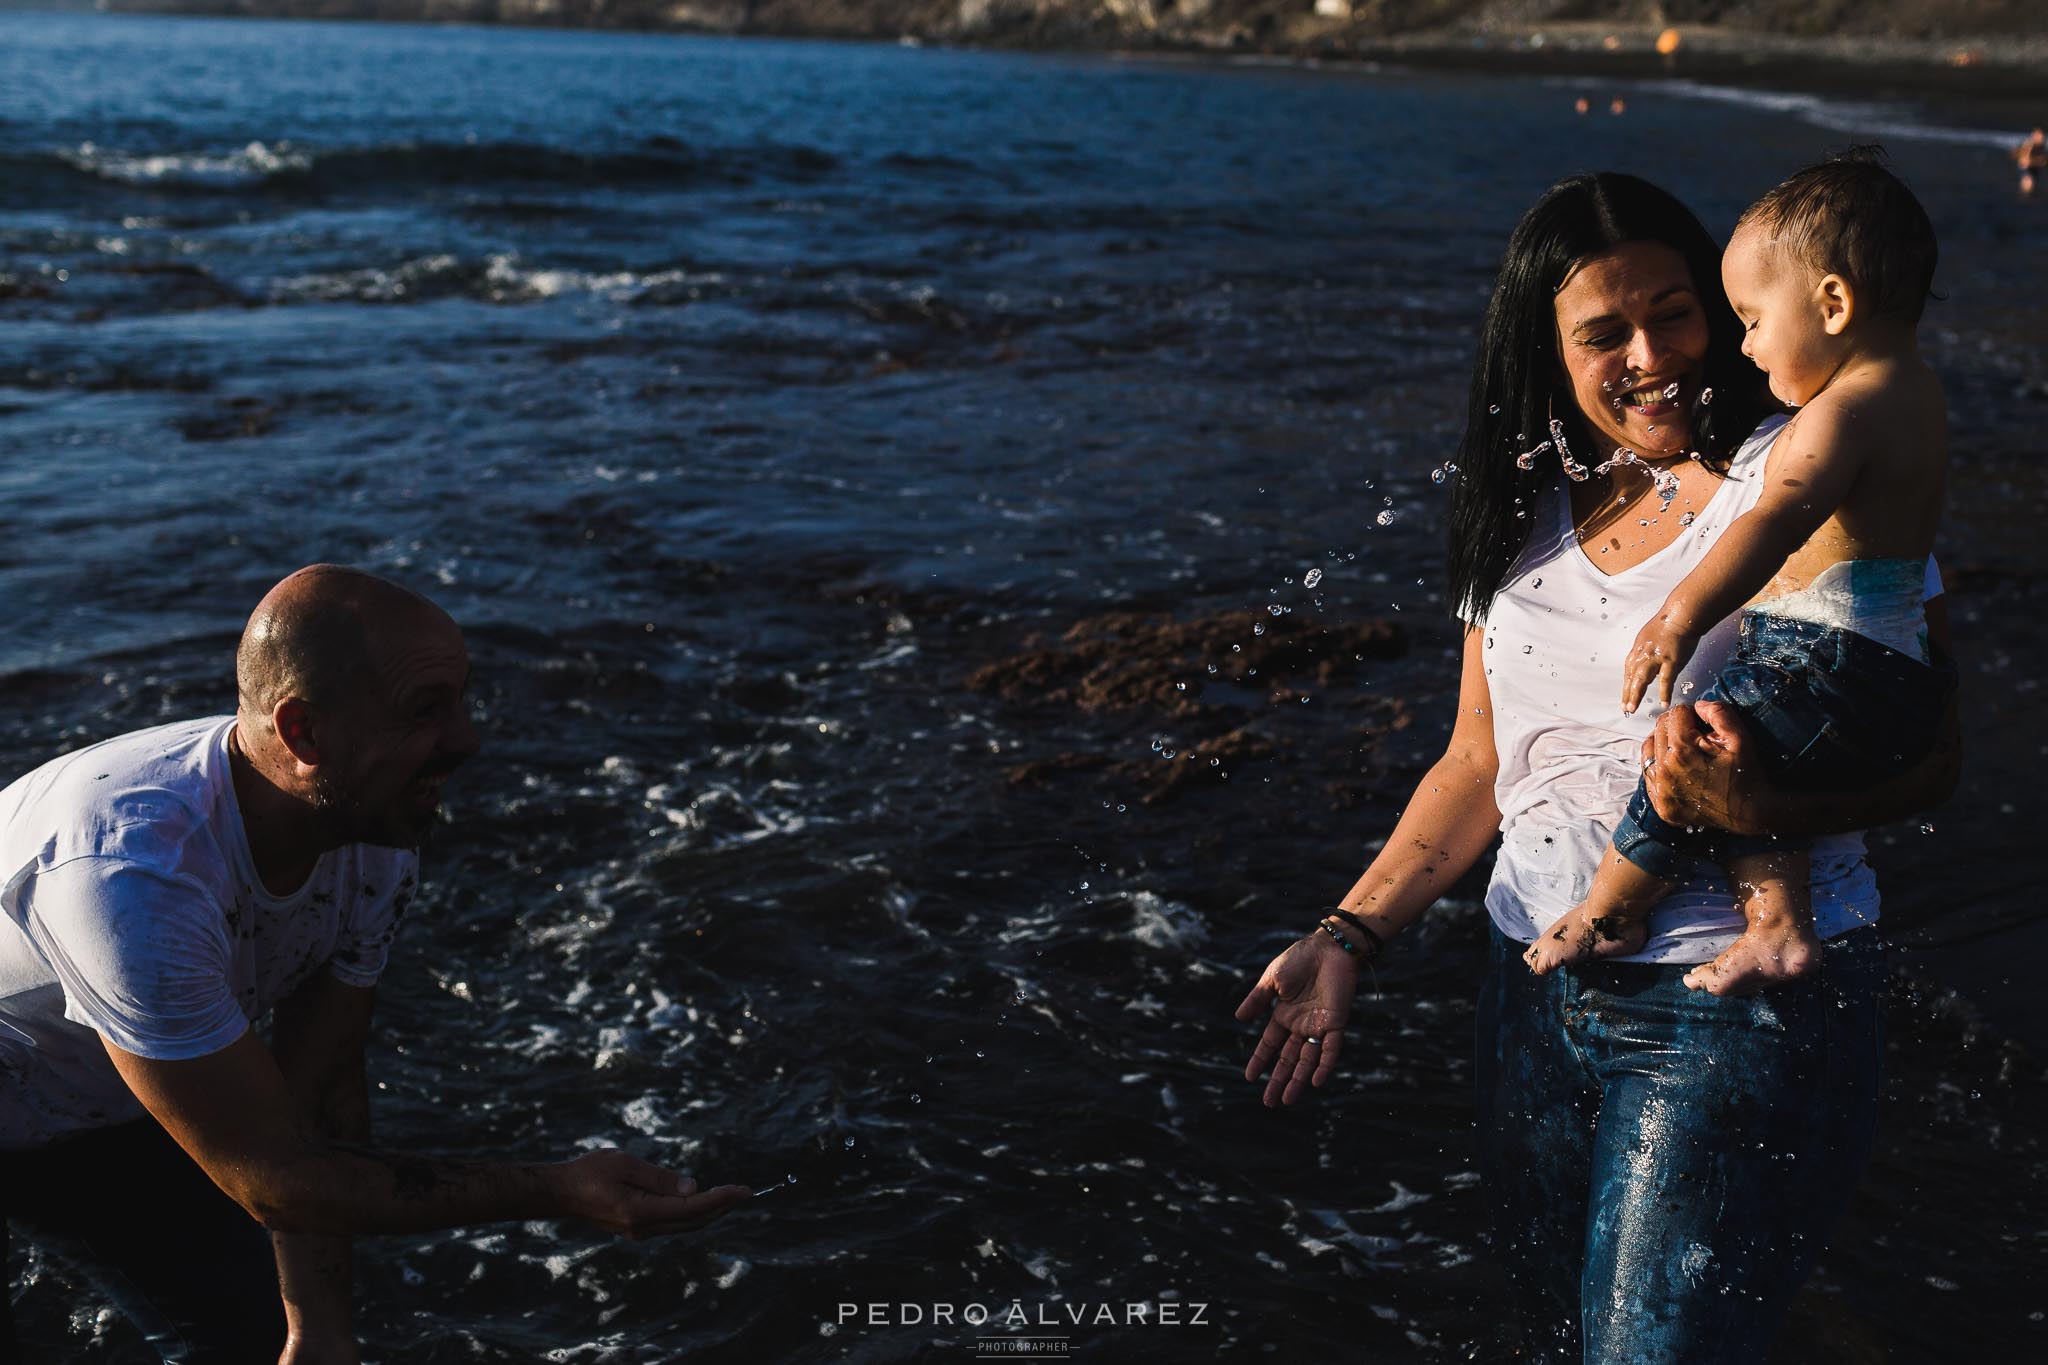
{"x": 1663, "y": 1165}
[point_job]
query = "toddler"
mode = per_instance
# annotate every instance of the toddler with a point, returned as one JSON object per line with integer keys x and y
{"x": 1833, "y": 672}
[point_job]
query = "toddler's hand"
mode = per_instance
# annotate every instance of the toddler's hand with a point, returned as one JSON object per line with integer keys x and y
{"x": 1660, "y": 650}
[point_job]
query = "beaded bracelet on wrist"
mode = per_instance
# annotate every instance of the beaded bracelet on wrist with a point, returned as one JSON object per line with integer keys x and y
{"x": 1361, "y": 926}
{"x": 1346, "y": 944}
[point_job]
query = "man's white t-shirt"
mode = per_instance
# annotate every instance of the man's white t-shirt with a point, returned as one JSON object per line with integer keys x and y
{"x": 130, "y": 908}
{"x": 1554, "y": 641}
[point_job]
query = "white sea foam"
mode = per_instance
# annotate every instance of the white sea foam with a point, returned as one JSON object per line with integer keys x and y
{"x": 496, "y": 279}
{"x": 250, "y": 165}
{"x": 1404, "y": 1198}
{"x": 1338, "y": 1229}
{"x": 1160, "y": 923}
{"x": 1847, "y": 116}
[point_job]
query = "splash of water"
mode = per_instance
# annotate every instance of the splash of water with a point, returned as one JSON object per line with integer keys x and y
{"x": 1665, "y": 482}
{"x": 1573, "y": 470}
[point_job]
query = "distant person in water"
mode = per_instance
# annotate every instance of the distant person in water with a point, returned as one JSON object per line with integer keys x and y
{"x": 1834, "y": 673}
{"x": 2032, "y": 156}
{"x": 165, "y": 891}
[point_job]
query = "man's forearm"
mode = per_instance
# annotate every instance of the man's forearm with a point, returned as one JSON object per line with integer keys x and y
{"x": 342, "y": 1188}
{"x": 316, "y": 1271}
{"x": 338, "y": 1182}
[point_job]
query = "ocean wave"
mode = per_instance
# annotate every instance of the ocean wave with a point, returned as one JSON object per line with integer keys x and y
{"x": 251, "y": 165}
{"x": 283, "y": 168}
{"x": 495, "y": 279}
{"x": 1862, "y": 119}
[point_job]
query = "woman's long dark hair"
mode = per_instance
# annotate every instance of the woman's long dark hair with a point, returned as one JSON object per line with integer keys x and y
{"x": 1519, "y": 382}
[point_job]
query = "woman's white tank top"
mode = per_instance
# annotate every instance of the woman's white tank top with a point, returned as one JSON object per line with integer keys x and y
{"x": 1555, "y": 638}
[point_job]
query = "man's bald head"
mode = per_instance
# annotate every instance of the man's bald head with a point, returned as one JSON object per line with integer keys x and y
{"x": 314, "y": 637}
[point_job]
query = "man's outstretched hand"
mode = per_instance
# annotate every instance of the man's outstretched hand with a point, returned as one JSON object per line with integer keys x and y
{"x": 631, "y": 1198}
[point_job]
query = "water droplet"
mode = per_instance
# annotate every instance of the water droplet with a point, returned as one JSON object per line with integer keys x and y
{"x": 1535, "y": 582}
{"x": 1311, "y": 578}
{"x": 1671, "y": 390}
{"x": 1274, "y": 610}
{"x": 1927, "y": 829}
{"x": 1528, "y": 648}
{"x": 1706, "y": 397}
{"x": 1258, "y": 628}
{"x": 1687, "y": 519}
{"x": 849, "y": 1144}
{"x": 1494, "y": 408}
{"x": 1385, "y": 518}
{"x": 918, "y": 1099}
{"x": 792, "y": 1178}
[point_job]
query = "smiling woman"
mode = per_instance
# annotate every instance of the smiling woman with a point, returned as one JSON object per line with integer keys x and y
{"x": 1632, "y": 334}
{"x": 1633, "y": 1227}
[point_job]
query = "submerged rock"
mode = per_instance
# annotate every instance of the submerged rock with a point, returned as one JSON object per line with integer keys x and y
{"x": 1229, "y": 686}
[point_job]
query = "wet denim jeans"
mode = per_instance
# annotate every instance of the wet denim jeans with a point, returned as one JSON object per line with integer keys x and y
{"x": 1663, "y": 1165}
{"x": 1828, "y": 710}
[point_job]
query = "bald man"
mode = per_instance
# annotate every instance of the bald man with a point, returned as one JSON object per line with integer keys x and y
{"x": 162, "y": 893}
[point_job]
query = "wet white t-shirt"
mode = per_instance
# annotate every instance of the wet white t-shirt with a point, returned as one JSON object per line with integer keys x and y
{"x": 130, "y": 909}
{"x": 1555, "y": 638}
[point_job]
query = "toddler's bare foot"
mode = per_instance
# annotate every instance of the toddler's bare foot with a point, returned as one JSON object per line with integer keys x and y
{"x": 1768, "y": 953}
{"x": 1584, "y": 934}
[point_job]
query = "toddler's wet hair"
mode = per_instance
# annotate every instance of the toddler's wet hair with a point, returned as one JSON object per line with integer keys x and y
{"x": 1850, "y": 216}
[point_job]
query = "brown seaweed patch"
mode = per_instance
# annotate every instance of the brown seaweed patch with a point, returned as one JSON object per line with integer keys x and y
{"x": 1229, "y": 684}
{"x": 1125, "y": 661}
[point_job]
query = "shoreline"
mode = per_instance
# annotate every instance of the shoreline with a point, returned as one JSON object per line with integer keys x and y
{"x": 1999, "y": 70}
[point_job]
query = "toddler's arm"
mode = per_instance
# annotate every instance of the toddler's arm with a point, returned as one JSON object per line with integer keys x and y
{"x": 1809, "y": 475}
